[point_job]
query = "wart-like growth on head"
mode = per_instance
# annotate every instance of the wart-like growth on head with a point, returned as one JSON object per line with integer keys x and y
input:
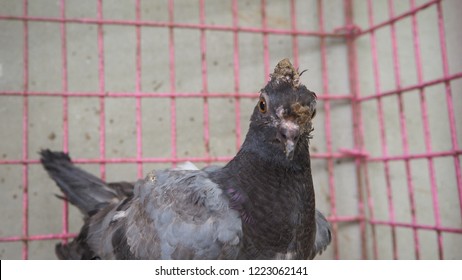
{"x": 303, "y": 112}
{"x": 286, "y": 71}
{"x": 285, "y": 85}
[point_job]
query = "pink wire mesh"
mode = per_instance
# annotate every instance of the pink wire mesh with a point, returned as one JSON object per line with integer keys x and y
{"x": 349, "y": 32}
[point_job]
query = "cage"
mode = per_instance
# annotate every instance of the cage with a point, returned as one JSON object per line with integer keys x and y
{"x": 130, "y": 86}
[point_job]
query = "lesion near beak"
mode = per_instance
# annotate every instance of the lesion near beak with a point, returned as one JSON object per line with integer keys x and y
{"x": 289, "y": 149}
{"x": 289, "y": 133}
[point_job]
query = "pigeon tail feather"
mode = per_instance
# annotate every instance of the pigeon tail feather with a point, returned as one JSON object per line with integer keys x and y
{"x": 82, "y": 189}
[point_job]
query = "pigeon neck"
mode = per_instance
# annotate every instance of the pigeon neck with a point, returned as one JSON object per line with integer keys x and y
{"x": 251, "y": 178}
{"x": 276, "y": 202}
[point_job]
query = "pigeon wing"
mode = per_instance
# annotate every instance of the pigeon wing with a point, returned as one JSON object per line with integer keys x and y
{"x": 323, "y": 234}
{"x": 171, "y": 215}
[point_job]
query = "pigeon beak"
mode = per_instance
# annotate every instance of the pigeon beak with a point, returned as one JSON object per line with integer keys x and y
{"x": 288, "y": 135}
{"x": 290, "y": 147}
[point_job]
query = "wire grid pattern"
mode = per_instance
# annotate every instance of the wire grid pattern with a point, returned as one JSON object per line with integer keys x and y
{"x": 350, "y": 33}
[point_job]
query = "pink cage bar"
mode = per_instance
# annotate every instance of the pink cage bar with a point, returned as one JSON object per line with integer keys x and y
{"x": 350, "y": 33}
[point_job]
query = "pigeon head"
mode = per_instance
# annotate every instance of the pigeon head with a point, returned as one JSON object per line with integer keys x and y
{"x": 282, "y": 119}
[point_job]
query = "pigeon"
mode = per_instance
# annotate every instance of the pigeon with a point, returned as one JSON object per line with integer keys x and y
{"x": 260, "y": 205}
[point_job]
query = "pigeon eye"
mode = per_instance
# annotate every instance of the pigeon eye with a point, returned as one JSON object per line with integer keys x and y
{"x": 262, "y": 105}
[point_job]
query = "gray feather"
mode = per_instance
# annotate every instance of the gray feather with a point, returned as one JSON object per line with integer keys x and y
{"x": 323, "y": 233}
{"x": 82, "y": 189}
{"x": 178, "y": 215}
